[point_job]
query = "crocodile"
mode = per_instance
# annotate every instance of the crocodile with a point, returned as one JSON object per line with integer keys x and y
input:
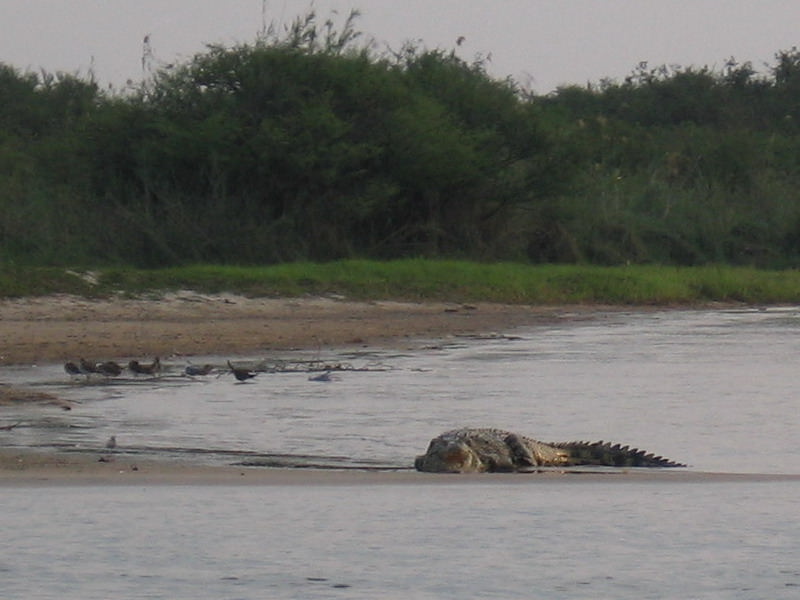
{"x": 482, "y": 450}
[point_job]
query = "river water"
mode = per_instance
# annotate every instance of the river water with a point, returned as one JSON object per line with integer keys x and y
{"x": 714, "y": 389}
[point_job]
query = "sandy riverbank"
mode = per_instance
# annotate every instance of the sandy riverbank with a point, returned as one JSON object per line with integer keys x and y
{"x": 60, "y": 328}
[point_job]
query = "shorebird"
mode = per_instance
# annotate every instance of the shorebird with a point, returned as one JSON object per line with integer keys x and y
{"x": 72, "y": 369}
{"x": 112, "y": 442}
{"x": 153, "y": 368}
{"x": 241, "y": 374}
{"x": 87, "y": 367}
{"x": 192, "y": 370}
{"x": 109, "y": 369}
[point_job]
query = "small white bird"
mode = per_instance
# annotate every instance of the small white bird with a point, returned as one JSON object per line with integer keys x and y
{"x": 112, "y": 442}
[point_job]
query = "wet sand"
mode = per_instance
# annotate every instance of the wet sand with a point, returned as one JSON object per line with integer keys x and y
{"x": 34, "y": 469}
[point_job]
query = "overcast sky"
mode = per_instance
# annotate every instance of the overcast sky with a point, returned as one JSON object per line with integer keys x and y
{"x": 540, "y": 43}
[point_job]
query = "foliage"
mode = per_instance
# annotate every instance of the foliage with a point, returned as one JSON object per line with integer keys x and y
{"x": 685, "y": 166}
{"x": 308, "y": 145}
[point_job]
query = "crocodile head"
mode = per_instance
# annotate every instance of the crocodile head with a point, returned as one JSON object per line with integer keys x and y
{"x": 450, "y": 457}
{"x": 453, "y": 457}
{"x": 455, "y": 453}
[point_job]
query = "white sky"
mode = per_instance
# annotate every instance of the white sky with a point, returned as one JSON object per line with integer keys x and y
{"x": 540, "y": 43}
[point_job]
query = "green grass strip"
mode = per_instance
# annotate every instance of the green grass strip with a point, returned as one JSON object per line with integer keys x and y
{"x": 420, "y": 280}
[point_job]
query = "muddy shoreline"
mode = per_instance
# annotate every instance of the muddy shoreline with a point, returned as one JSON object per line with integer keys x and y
{"x": 59, "y": 328}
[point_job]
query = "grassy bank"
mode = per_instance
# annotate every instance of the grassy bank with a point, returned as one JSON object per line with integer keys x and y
{"x": 421, "y": 280}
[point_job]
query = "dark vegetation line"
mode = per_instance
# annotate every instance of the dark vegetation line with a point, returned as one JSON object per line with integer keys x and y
{"x": 310, "y": 146}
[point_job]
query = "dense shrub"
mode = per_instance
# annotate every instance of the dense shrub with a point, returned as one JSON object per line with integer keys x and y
{"x": 310, "y": 145}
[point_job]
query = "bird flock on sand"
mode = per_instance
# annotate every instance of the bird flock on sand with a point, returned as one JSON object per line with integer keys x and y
{"x": 109, "y": 368}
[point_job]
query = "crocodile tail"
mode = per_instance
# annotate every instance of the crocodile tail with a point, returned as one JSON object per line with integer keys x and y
{"x": 604, "y": 453}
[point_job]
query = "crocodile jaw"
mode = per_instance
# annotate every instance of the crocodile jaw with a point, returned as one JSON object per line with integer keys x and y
{"x": 454, "y": 457}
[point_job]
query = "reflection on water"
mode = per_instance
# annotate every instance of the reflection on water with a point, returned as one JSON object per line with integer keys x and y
{"x": 711, "y": 388}
{"x": 715, "y": 389}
